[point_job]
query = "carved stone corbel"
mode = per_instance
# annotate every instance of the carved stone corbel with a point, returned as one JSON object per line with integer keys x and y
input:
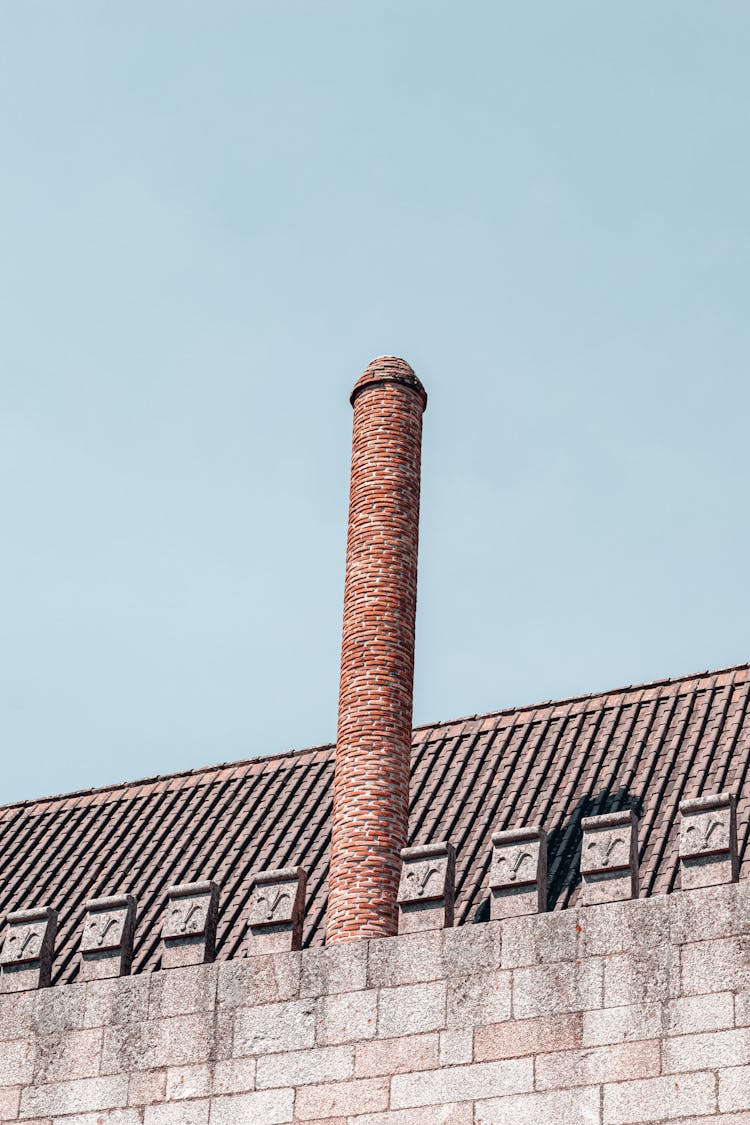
{"x": 426, "y": 889}
{"x": 518, "y": 874}
{"x": 189, "y": 929}
{"x": 609, "y": 857}
{"x": 277, "y": 910}
{"x": 28, "y": 950}
{"x": 107, "y": 939}
{"x": 708, "y": 841}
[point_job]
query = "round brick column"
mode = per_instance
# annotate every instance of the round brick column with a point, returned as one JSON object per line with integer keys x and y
{"x": 371, "y": 785}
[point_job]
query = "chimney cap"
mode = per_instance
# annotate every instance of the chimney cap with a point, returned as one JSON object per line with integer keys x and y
{"x": 389, "y": 369}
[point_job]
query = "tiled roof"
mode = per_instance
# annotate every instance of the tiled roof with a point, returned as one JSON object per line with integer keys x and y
{"x": 643, "y": 747}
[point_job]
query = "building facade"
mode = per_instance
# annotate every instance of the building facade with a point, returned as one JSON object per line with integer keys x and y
{"x": 531, "y": 916}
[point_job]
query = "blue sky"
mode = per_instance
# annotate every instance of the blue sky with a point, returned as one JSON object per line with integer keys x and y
{"x": 213, "y": 215}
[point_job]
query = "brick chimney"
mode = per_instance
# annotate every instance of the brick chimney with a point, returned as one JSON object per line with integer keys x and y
{"x": 371, "y": 785}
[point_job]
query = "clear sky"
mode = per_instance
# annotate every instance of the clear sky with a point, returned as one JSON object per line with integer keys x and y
{"x": 214, "y": 214}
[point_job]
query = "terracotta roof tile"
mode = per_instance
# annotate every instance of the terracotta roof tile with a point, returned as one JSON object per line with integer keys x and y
{"x": 643, "y": 747}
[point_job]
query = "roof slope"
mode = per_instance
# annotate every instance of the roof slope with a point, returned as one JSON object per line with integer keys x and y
{"x": 643, "y": 747}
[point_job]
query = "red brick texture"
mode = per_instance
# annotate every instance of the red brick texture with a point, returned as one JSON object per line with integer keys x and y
{"x": 371, "y": 780}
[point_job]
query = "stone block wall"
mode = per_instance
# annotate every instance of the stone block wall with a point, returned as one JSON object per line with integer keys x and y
{"x": 616, "y": 1014}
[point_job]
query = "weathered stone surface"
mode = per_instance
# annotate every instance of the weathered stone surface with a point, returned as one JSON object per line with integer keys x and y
{"x": 461, "y": 1083}
{"x": 277, "y": 910}
{"x": 434, "y": 955}
{"x": 339, "y": 968}
{"x": 591, "y": 1065}
{"x": 435, "y": 1115}
{"x": 333, "y": 1121}
{"x": 189, "y": 928}
{"x": 529, "y": 1020}
{"x": 147, "y": 1087}
{"x": 609, "y": 857}
{"x": 183, "y": 1113}
{"x": 10, "y": 1100}
{"x": 305, "y": 1068}
{"x": 17, "y": 1062}
{"x": 28, "y": 949}
{"x": 189, "y": 988}
{"x": 426, "y": 889}
{"x": 379, "y": 1057}
{"x": 518, "y": 873}
{"x": 627, "y": 1023}
{"x": 539, "y": 940}
{"x": 456, "y": 1046}
{"x": 85, "y": 1095}
{"x": 360, "y": 1095}
{"x": 710, "y": 912}
{"x": 478, "y": 998}
{"x": 57, "y": 1009}
{"x": 16, "y": 1015}
{"x": 189, "y": 1081}
{"x": 347, "y": 1017}
{"x": 234, "y": 1076}
{"x": 100, "y": 1117}
{"x": 708, "y": 841}
{"x": 470, "y": 949}
{"x": 64, "y": 1055}
{"x": 689, "y": 1014}
{"x": 516, "y": 1038}
{"x": 742, "y": 1009}
{"x": 734, "y": 1088}
{"x": 272, "y": 1107}
{"x": 561, "y": 987}
{"x": 160, "y": 1043}
{"x": 631, "y": 979}
{"x": 563, "y": 1107}
{"x": 613, "y": 927}
{"x": 411, "y": 1009}
{"x": 410, "y": 960}
{"x": 275, "y": 1027}
{"x": 110, "y": 1003}
{"x": 107, "y": 938}
{"x": 716, "y": 966}
{"x": 707, "y": 1050}
{"x": 661, "y": 1098}
{"x": 259, "y": 980}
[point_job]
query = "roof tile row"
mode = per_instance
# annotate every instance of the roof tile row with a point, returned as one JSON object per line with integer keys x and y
{"x": 644, "y": 748}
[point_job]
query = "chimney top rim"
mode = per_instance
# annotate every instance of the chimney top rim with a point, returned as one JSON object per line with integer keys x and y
{"x": 389, "y": 369}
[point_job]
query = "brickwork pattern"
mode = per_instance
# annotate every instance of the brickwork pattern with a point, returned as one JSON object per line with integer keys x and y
{"x": 373, "y": 750}
{"x": 627, "y": 1013}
